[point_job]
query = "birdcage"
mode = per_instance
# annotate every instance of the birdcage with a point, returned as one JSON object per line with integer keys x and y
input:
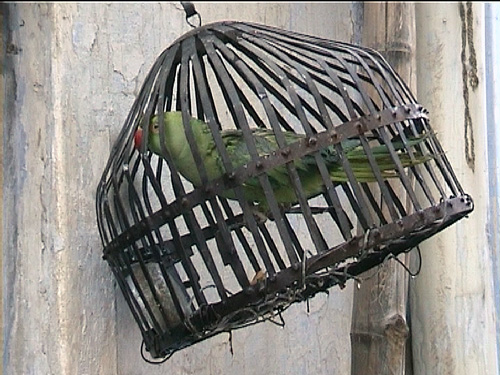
{"x": 194, "y": 259}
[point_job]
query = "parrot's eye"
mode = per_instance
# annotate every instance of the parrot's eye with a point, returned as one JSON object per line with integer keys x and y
{"x": 154, "y": 127}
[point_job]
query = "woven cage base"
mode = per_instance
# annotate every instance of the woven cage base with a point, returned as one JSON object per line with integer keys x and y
{"x": 195, "y": 259}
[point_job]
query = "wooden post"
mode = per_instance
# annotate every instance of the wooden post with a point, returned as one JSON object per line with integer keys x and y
{"x": 379, "y": 329}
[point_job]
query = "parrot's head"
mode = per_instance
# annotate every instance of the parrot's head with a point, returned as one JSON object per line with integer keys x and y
{"x": 153, "y": 131}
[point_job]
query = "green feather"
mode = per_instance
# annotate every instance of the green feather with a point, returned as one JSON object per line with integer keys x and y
{"x": 178, "y": 147}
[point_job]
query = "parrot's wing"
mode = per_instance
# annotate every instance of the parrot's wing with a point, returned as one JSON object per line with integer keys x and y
{"x": 266, "y": 144}
{"x": 265, "y": 139}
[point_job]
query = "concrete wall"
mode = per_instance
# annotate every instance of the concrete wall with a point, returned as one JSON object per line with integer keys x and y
{"x": 72, "y": 73}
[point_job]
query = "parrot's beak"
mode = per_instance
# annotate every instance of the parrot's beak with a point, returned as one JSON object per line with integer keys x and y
{"x": 138, "y": 138}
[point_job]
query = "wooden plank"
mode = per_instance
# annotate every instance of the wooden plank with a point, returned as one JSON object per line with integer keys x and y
{"x": 452, "y": 300}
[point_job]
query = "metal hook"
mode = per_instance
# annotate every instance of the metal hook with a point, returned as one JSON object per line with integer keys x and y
{"x": 190, "y": 12}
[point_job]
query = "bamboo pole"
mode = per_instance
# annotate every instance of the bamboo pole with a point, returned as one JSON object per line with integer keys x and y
{"x": 379, "y": 330}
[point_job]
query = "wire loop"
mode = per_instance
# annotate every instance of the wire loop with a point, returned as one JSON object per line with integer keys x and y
{"x": 191, "y": 12}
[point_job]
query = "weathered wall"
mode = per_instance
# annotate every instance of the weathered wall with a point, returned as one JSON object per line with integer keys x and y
{"x": 72, "y": 73}
{"x": 59, "y": 298}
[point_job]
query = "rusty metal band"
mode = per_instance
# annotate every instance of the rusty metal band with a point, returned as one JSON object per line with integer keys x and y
{"x": 264, "y": 164}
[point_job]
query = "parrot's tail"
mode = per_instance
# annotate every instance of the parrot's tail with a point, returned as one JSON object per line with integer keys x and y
{"x": 362, "y": 169}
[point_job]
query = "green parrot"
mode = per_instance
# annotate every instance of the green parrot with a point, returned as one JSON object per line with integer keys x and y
{"x": 177, "y": 145}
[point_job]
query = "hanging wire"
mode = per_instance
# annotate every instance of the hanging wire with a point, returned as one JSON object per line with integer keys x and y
{"x": 412, "y": 274}
{"x": 191, "y": 12}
